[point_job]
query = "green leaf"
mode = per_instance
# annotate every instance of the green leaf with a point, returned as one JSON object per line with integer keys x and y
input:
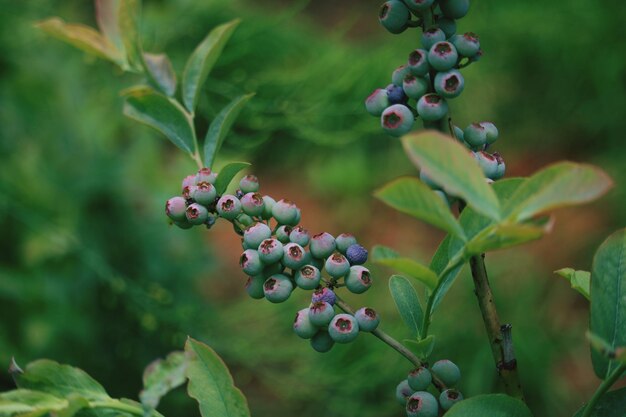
{"x": 505, "y": 235}
{"x": 422, "y": 348}
{"x": 608, "y": 298}
{"x": 158, "y": 111}
{"x": 25, "y": 401}
{"x": 446, "y": 276}
{"x": 388, "y": 257}
{"x": 579, "y": 280}
{"x": 211, "y": 384}
{"x": 452, "y": 166}
{"x": 491, "y": 405}
{"x": 202, "y": 60}
{"x": 226, "y": 175}
{"x": 407, "y": 302}
{"x": 129, "y": 14}
{"x": 162, "y": 376}
{"x": 107, "y": 12}
{"x": 160, "y": 69}
{"x": 413, "y": 197}
{"x": 82, "y": 37}
{"x": 611, "y": 404}
{"x": 220, "y": 126}
{"x": 76, "y": 403}
{"x": 605, "y": 349}
{"x": 559, "y": 185}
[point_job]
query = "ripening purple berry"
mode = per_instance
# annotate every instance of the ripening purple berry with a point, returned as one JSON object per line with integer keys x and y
{"x": 286, "y": 212}
{"x": 293, "y": 256}
{"x": 344, "y": 241}
{"x": 303, "y": 326}
{"x": 415, "y": 87}
{"x": 189, "y": 180}
{"x": 467, "y": 45}
{"x": 228, "y": 206}
{"x": 250, "y": 262}
{"x": 300, "y": 236}
{"x": 397, "y": 120}
{"x": 343, "y": 328}
{"x": 356, "y": 254}
{"x": 322, "y": 245}
{"x": 376, "y": 102}
{"x": 255, "y": 234}
{"x": 254, "y": 287}
{"x": 249, "y": 184}
{"x": 367, "y": 318}
{"x": 398, "y": 75}
{"x": 449, "y": 84}
{"x": 308, "y": 277}
{"x": 396, "y": 95}
{"x": 432, "y": 107}
{"x": 252, "y": 204}
{"x": 442, "y": 56}
{"x": 270, "y": 251}
{"x": 206, "y": 175}
{"x": 321, "y": 313}
{"x": 324, "y": 294}
{"x": 358, "y": 280}
{"x": 432, "y": 36}
{"x": 337, "y": 265}
{"x": 196, "y": 214}
{"x": 322, "y": 342}
{"x": 277, "y": 288}
{"x": 204, "y": 193}
{"x": 418, "y": 62}
{"x": 175, "y": 208}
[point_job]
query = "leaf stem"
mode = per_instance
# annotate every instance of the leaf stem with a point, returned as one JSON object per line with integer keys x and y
{"x": 603, "y": 388}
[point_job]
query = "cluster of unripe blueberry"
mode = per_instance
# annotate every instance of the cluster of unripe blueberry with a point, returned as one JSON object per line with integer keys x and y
{"x": 412, "y": 392}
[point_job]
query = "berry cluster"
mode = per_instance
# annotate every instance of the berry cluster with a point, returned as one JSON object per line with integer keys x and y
{"x": 412, "y": 392}
{"x": 277, "y": 260}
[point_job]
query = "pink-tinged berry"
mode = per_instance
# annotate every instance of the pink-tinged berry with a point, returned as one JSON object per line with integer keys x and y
{"x": 358, "y": 280}
{"x": 189, "y": 180}
{"x": 321, "y": 313}
{"x": 204, "y": 193}
{"x": 206, "y": 175}
{"x": 432, "y": 36}
{"x": 188, "y": 191}
{"x": 344, "y": 241}
{"x": 403, "y": 392}
{"x": 250, "y": 262}
{"x": 467, "y": 45}
{"x": 255, "y": 234}
{"x": 285, "y": 212}
{"x": 501, "y": 170}
{"x": 324, "y": 294}
{"x": 367, "y": 318}
{"x": 175, "y": 208}
{"x": 277, "y": 288}
{"x": 303, "y": 326}
{"x": 418, "y": 62}
{"x": 397, "y": 120}
{"x": 343, "y": 328}
{"x": 337, "y": 265}
{"x": 268, "y": 205}
{"x": 300, "y": 236}
{"x": 415, "y": 87}
{"x": 394, "y": 16}
{"x": 308, "y": 277}
{"x": 228, "y": 206}
{"x": 376, "y": 102}
{"x": 282, "y": 233}
{"x": 270, "y": 251}
{"x": 449, "y": 84}
{"x": 419, "y": 379}
{"x": 442, "y": 56}
{"x": 293, "y": 256}
{"x": 422, "y": 404}
{"x": 249, "y": 184}
{"x": 252, "y": 204}
{"x": 432, "y": 107}
{"x": 450, "y": 397}
{"x": 322, "y": 245}
{"x": 254, "y": 287}
{"x": 196, "y": 214}
{"x": 488, "y": 163}
{"x": 322, "y": 342}
{"x": 398, "y": 75}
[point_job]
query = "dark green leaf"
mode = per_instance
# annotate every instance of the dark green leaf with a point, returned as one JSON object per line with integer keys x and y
{"x": 25, "y": 401}
{"x": 387, "y": 257}
{"x": 160, "y": 69}
{"x": 162, "y": 113}
{"x": 129, "y": 15}
{"x": 452, "y": 166}
{"x": 220, "y": 126}
{"x": 446, "y": 276}
{"x": 202, "y": 60}
{"x": 579, "y": 280}
{"x": 226, "y": 175}
{"x": 490, "y": 405}
{"x": 422, "y": 348}
{"x": 608, "y": 298}
{"x": 211, "y": 384}
{"x": 107, "y": 12}
{"x": 407, "y": 302}
{"x": 505, "y": 235}
{"x": 612, "y": 404}
{"x": 413, "y": 197}
{"x": 162, "y": 376}
{"x": 76, "y": 403}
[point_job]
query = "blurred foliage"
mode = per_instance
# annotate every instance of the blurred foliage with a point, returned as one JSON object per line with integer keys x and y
{"x": 90, "y": 273}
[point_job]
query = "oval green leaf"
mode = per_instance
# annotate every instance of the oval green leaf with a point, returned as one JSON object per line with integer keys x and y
{"x": 25, "y": 401}
{"x": 107, "y": 12}
{"x": 491, "y": 405}
{"x": 162, "y": 376}
{"x": 388, "y": 257}
{"x": 407, "y": 302}
{"x": 612, "y": 404}
{"x": 226, "y": 175}
{"x": 579, "y": 280}
{"x": 161, "y": 72}
{"x": 450, "y": 164}
{"x": 129, "y": 14}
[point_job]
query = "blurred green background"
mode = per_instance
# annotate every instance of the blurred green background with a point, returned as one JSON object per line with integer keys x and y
{"x": 91, "y": 273}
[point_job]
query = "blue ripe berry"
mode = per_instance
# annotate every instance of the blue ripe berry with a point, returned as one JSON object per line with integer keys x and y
{"x": 302, "y": 325}
{"x": 268, "y": 204}
{"x": 418, "y": 62}
{"x": 205, "y": 175}
{"x": 449, "y": 84}
{"x": 447, "y": 372}
{"x": 500, "y": 171}
{"x": 300, "y": 236}
{"x": 397, "y": 120}
{"x": 432, "y": 107}
{"x": 418, "y": 5}
{"x": 394, "y": 16}
{"x": 415, "y": 87}
{"x": 250, "y": 262}
{"x": 322, "y": 341}
{"x": 228, "y": 206}
{"x": 356, "y": 254}
{"x": 175, "y": 209}
{"x": 271, "y": 251}
{"x": 324, "y": 294}
{"x": 367, "y": 318}
{"x": 282, "y": 233}
{"x": 377, "y": 102}
{"x": 442, "y": 56}
{"x": 454, "y": 9}
{"x": 425, "y": 178}
{"x": 196, "y": 214}
{"x": 475, "y": 135}
{"x": 447, "y": 25}
{"x": 488, "y": 163}
{"x": 343, "y": 328}
{"x": 204, "y": 193}
{"x": 432, "y": 36}
{"x": 253, "y": 204}
{"x": 403, "y": 392}
{"x": 254, "y": 287}
{"x": 419, "y": 379}
{"x": 321, "y": 313}
{"x": 322, "y": 245}
{"x": 422, "y": 404}
{"x": 337, "y": 265}
{"x": 449, "y": 397}
{"x": 358, "y": 280}
{"x": 399, "y": 74}
{"x": 293, "y": 256}
{"x": 254, "y": 235}
{"x": 189, "y": 180}
{"x": 277, "y": 288}
{"x": 249, "y": 184}
{"x": 308, "y": 277}
{"x": 286, "y": 212}
{"x": 396, "y": 95}
{"x": 467, "y": 44}
{"x": 491, "y": 131}
{"x": 344, "y": 241}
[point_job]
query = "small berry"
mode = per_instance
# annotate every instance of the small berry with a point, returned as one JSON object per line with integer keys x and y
{"x": 419, "y": 379}
{"x": 415, "y": 87}
{"x": 488, "y": 163}
{"x": 358, "y": 280}
{"x": 302, "y": 325}
{"x": 500, "y": 171}
{"x": 376, "y": 102}
{"x": 322, "y": 245}
{"x": 403, "y": 392}
{"x": 426, "y": 179}
{"x": 356, "y": 254}
{"x": 249, "y": 184}
{"x": 239, "y": 194}
{"x": 367, "y": 318}
{"x": 432, "y": 107}
{"x": 324, "y": 294}
{"x": 285, "y": 212}
{"x": 270, "y": 251}
{"x": 397, "y": 120}
{"x": 398, "y": 75}
{"x": 447, "y": 372}
{"x": 467, "y": 44}
{"x": 188, "y": 191}
{"x": 394, "y": 16}
{"x": 205, "y": 175}
{"x": 396, "y": 95}
{"x": 254, "y": 235}
{"x": 268, "y": 204}
{"x": 449, "y": 84}
{"x": 343, "y": 328}
{"x": 454, "y": 9}
{"x": 254, "y": 287}
{"x": 337, "y": 265}
{"x": 442, "y": 56}
{"x": 189, "y": 180}
{"x": 344, "y": 241}
{"x": 322, "y": 342}
{"x": 253, "y": 204}
{"x": 447, "y": 25}
{"x": 250, "y": 262}
{"x": 418, "y": 5}
{"x": 475, "y": 135}
{"x": 321, "y": 313}
{"x": 432, "y": 36}
{"x": 204, "y": 194}
{"x": 458, "y": 134}
{"x": 183, "y": 224}
{"x": 245, "y": 220}
{"x": 282, "y": 233}
{"x": 196, "y": 214}
{"x": 277, "y": 288}
{"x": 449, "y": 397}
{"x": 175, "y": 208}
{"x": 491, "y": 131}
{"x": 228, "y": 206}
{"x": 293, "y": 256}
{"x": 300, "y": 236}
{"x": 422, "y": 404}
{"x": 308, "y": 277}
{"x": 418, "y": 62}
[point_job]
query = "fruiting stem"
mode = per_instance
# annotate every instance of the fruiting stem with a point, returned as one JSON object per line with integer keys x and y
{"x": 603, "y": 388}
{"x": 196, "y": 157}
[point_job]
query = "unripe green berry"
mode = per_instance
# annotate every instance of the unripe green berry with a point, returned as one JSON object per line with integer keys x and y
{"x": 447, "y": 372}
{"x": 183, "y": 224}
{"x": 205, "y": 175}
{"x": 343, "y": 328}
{"x": 488, "y": 163}
{"x": 403, "y": 392}
{"x": 337, "y": 265}
{"x": 277, "y": 288}
{"x": 398, "y": 75}
{"x": 254, "y": 235}
{"x": 204, "y": 193}
{"x": 397, "y": 120}
{"x": 282, "y": 233}
{"x": 302, "y": 325}
{"x": 344, "y": 241}
{"x": 467, "y": 45}
{"x": 250, "y": 262}
{"x": 321, "y": 313}
{"x": 254, "y": 287}
{"x": 322, "y": 342}
{"x": 322, "y": 245}
{"x": 249, "y": 184}
{"x": 196, "y": 214}
{"x": 175, "y": 209}
{"x": 308, "y": 277}
{"x": 442, "y": 56}
{"x": 447, "y": 25}
{"x": 300, "y": 236}
{"x": 253, "y": 204}
{"x": 271, "y": 251}
{"x": 422, "y": 404}
{"x": 449, "y": 397}
{"x": 286, "y": 212}
{"x": 418, "y": 62}
{"x": 500, "y": 171}
{"x": 458, "y": 134}
{"x": 418, "y": 5}
{"x": 376, "y": 102}
{"x": 293, "y": 256}
{"x": 394, "y": 16}
{"x": 432, "y": 36}
{"x": 228, "y": 206}
{"x": 475, "y": 135}
{"x": 268, "y": 204}
{"x": 449, "y": 84}
{"x": 454, "y": 9}
{"x": 432, "y": 107}
{"x": 367, "y": 318}
{"x": 358, "y": 280}
{"x": 491, "y": 131}
{"x": 415, "y": 87}
{"x": 419, "y": 379}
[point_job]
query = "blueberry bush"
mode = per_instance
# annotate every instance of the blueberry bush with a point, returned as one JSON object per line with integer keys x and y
{"x": 460, "y": 189}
